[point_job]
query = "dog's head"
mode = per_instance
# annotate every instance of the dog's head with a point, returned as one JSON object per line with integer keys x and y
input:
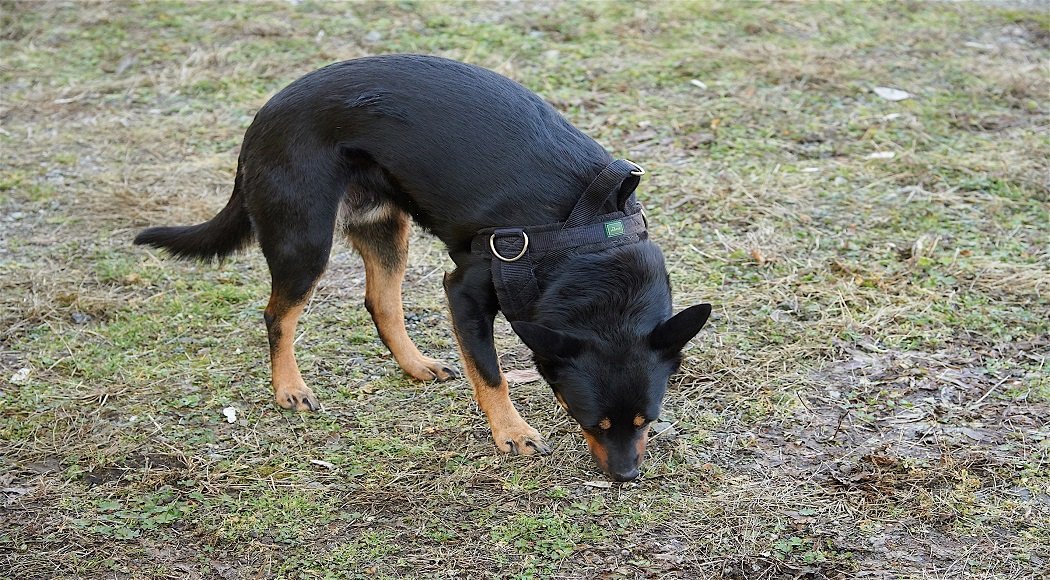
{"x": 613, "y": 384}
{"x": 613, "y": 390}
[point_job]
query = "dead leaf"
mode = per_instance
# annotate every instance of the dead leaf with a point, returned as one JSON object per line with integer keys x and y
{"x": 521, "y": 376}
{"x": 892, "y": 94}
{"x": 21, "y": 375}
{"x": 980, "y": 45}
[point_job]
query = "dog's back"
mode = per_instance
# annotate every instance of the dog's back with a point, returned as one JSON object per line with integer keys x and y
{"x": 466, "y": 147}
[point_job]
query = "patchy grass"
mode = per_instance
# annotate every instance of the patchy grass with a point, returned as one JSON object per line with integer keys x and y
{"x": 870, "y": 399}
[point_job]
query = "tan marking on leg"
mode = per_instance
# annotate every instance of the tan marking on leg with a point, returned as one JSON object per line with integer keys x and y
{"x": 383, "y": 299}
{"x": 289, "y": 389}
{"x": 510, "y": 432}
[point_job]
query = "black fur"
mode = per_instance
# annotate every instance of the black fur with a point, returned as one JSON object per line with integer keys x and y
{"x": 459, "y": 148}
{"x": 230, "y": 230}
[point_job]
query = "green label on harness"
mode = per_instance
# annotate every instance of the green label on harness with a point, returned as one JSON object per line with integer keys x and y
{"x": 614, "y": 228}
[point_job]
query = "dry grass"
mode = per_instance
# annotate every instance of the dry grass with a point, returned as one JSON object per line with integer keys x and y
{"x": 869, "y": 401}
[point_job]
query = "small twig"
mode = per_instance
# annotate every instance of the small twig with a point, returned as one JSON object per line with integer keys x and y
{"x": 798, "y": 394}
{"x": 838, "y": 427}
{"x": 978, "y": 402}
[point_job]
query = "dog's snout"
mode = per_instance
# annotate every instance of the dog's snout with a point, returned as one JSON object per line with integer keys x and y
{"x": 620, "y": 461}
{"x": 626, "y": 469}
{"x": 627, "y": 474}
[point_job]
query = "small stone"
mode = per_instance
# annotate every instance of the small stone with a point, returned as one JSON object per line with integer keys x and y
{"x": 664, "y": 430}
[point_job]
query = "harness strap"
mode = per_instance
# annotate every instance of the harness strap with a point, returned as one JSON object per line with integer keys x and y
{"x": 509, "y": 242}
{"x": 514, "y": 278}
{"x": 514, "y": 251}
{"x": 620, "y": 176}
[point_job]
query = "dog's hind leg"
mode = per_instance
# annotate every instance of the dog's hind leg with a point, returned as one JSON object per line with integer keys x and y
{"x": 296, "y": 239}
{"x": 282, "y": 316}
{"x": 383, "y": 244}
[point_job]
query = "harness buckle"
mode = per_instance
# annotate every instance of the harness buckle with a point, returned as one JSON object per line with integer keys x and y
{"x": 638, "y": 169}
{"x": 495, "y": 252}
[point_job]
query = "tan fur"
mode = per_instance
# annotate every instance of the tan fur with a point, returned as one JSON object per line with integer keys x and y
{"x": 289, "y": 390}
{"x": 639, "y": 445}
{"x": 510, "y": 432}
{"x": 350, "y": 216}
{"x": 383, "y": 297}
{"x": 601, "y": 456}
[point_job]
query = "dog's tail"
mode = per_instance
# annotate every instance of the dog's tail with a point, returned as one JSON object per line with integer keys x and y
{"x": 229, "y": 231}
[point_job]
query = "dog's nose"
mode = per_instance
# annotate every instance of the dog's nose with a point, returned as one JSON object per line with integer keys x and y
{"x": 627, "y": 474}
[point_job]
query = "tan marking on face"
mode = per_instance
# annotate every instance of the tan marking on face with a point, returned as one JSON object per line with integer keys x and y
{"x": 605, "y": 424}
{"x": 639, "y": 446}
{"x": 601, "y": 456}
{"x": 639, "y": 420}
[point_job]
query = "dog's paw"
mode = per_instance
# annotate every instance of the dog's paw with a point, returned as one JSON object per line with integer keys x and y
{"x": 296, "y": 398}
{"x": 520, "y": 440}
{"x": 428, "y": 369}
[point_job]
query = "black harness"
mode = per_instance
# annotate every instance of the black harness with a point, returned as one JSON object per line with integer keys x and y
{"x": 520, "y": 256}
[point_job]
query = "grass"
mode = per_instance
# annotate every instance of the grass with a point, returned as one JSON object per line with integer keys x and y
{"x": 870, "y": 399}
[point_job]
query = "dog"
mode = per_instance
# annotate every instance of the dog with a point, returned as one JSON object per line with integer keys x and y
{"x": 363, "y": 147}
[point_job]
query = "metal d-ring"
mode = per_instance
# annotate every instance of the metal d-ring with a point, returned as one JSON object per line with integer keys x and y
{"x": 525, "y": 246}
{"x": 638, "y": 169}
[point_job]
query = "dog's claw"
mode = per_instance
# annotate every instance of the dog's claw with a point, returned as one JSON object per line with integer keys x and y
{"x": 428, "y": 369}
{"x": 541, "y": 447}
{"x": 299, "y": 398}
{"x": 521, "y": 440}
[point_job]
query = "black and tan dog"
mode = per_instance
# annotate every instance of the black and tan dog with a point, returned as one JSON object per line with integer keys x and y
{"x": 359, "y": 147}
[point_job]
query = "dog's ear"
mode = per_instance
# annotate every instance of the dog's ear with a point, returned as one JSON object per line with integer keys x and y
{"x": 547, "y": 343}
{"x": 671, "y": 335}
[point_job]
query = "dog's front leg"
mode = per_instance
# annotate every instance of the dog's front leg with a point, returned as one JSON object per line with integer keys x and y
{"x": 472, "y": 301}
